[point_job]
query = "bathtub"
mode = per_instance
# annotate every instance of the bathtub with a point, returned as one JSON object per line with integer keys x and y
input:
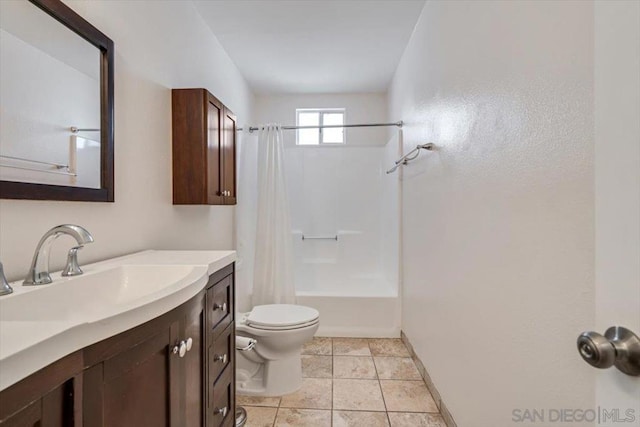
{"x": 358, "y": 308}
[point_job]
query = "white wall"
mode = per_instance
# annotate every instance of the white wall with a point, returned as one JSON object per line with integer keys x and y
{"x": 338, "y": 191}
{"x": 617, "y": 177}
{"x": 36, "y": 115}
{"x": 159, "y": 46}
{"x": 498, "y": 238}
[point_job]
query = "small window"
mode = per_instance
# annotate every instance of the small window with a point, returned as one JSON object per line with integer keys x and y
{"x": 320, "y": 117}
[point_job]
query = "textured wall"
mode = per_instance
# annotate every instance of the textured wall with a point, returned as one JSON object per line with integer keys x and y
{"x": 498, "y": 239}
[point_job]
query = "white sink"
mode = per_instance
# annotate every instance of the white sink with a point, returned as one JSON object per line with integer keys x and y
{"x": 94, "y": 296}
{"x": 41, "y": 324}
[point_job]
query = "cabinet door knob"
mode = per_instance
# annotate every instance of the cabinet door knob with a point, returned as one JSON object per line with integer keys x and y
{"x": 220, "y": 411}
{"x": 222, "y": 306}
{"x": 180, "y": 349}
{"x": 220, "y": 358}
{"x": 189, "y": 343}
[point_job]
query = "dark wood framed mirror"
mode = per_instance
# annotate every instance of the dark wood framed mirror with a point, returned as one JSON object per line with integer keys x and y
{"x": 66, "y": 160}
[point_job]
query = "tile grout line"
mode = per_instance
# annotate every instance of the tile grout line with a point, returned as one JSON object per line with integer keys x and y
{"x": 380, "y": 385}
{"x": 276, "y": 417}
{"x": 332, "y": 385}
{"x": 371, "y": 356}
{"x": 384, "y": 401}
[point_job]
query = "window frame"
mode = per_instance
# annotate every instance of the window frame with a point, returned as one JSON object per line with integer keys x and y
{"x": 321, "y": 112}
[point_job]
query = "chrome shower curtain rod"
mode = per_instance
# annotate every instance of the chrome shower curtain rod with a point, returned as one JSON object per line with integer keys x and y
{"x": 360, "y": 125}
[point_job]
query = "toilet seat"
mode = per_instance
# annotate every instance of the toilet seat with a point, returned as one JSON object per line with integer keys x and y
{"x": 281, "y": 317}
{"x": 285, "y": 328}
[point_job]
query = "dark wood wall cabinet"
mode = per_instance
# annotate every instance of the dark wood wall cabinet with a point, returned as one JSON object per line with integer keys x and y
{"x": 177, "y": 370}
{"x": 204, "y": 149}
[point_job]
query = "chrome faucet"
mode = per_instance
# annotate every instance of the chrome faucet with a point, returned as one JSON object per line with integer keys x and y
{"x": 39, "y": 271}
{"x": 5, "y": 288}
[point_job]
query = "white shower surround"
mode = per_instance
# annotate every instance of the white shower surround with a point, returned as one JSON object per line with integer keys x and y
{"x": 353, "y": 281}
{"x": 347, "y": 307}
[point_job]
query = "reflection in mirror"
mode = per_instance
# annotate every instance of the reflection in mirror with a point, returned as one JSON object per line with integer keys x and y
{"x": 49, "y": 82}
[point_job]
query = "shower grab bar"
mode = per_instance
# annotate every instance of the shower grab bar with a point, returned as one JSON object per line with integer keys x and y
{"x": 404, "y": 160}
{"x": 320, "y": 237}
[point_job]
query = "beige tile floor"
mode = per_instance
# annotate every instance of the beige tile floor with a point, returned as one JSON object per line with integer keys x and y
{"x": 350, "y": 382}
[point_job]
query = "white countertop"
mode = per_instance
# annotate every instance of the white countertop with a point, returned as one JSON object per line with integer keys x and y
{"x": 41, "y": 324}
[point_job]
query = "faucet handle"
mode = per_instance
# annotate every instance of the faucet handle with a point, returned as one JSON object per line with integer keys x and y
{"x": 72, "y": 268}
{"x": 5, "y": 288}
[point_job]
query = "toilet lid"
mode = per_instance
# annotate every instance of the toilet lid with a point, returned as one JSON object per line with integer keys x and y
{"x": 281, "y": 316}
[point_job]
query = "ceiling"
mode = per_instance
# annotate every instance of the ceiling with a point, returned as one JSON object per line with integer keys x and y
{"x": 313, "y": 46}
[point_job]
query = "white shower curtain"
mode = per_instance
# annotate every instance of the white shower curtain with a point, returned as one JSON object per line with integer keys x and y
{"x": 273, "y": 267}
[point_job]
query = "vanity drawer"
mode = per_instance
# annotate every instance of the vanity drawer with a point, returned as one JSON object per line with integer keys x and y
{"x": 222, "y": 407}
{"x": 220, "y": 304}
{"x": 221, "y": 353}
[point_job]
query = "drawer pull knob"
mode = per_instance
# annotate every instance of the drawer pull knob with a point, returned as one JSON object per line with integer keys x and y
{"x": 180, "y": 349}
{"x": 219, "y": 358}
{"x": 222, "y": 307}
{"x": 189, "y": 343}
{"x": 220, "y": 411}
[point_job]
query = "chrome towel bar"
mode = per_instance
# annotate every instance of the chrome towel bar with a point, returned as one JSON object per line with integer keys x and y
{"x": 60, "y": 169}
{"x": 74, "y": 129}
{"x": 23, "y": 159}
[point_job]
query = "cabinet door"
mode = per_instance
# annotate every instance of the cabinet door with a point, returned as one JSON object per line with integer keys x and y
{"x": 228, "y": 164}
{"x": 140, "y": 386}
{"x": 215, "y": 149}
{"x": 190, "y": 132}
{"x": 194, "y": 372}
{"x": 30, "y": 416}
{"x": 57, "y": 408}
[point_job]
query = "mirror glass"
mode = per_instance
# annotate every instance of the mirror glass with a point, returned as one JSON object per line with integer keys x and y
{"x": 49, "y": 84}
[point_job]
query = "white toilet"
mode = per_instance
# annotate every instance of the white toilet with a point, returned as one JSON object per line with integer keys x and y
{"x": 273, "y": 366}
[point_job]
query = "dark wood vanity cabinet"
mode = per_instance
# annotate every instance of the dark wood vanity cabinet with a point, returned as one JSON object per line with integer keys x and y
{"x": 54, "y": 409}
{"x": 204, "y": 149}
{"x": 136, "y": 374}
{"x": 139, "y": 378}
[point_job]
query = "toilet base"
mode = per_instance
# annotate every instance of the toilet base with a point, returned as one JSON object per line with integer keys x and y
{"x": 272, "y": 378}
